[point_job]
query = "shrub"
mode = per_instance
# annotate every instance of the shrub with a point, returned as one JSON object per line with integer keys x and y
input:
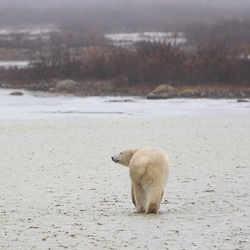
{"x": 147, "y": 64}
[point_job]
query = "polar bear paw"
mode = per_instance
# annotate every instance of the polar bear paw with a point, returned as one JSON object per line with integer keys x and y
{"x": 152, "y": 209}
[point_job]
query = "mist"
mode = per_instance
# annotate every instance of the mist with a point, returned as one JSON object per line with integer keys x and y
{"x": 48, "y": 3}
{"x": 44, "y": 4}
{"x": 120, "y": 15}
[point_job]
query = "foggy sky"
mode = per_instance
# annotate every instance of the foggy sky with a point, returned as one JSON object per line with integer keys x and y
{"x": 121, "y": 15}
{"x": 75, "y": 3}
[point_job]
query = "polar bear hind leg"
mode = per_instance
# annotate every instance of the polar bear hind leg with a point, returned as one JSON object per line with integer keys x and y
{"x": 133, "y": 195}
{"x": 154, "y": 199}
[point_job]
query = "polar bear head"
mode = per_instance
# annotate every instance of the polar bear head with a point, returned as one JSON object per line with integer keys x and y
{"x": 124, "y": 157}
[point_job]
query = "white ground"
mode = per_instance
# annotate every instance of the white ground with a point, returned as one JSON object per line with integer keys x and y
{"x": 60, "y": 189}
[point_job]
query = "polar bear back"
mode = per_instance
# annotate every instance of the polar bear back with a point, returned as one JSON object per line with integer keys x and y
{"x": 149, "y": 166}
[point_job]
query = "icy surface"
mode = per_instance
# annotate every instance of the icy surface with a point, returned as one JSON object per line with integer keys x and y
{"x": 36, "y": 105}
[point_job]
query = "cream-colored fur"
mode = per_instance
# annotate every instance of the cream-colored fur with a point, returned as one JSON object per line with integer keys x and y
{"x": 149, "y": 169}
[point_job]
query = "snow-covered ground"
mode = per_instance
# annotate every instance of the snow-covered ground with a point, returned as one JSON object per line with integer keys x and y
{"x": 128, "y": 39}
{"x": 14, "y": 64}
{"x": 28, "y": 33}
{"x": 60, "y": 189}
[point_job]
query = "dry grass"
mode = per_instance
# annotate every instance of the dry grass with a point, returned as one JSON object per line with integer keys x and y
{"x": 84, "y": 55}
{"x": 149, "y": 64}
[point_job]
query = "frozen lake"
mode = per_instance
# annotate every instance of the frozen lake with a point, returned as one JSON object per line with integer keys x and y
{"x": 37, "y": 105}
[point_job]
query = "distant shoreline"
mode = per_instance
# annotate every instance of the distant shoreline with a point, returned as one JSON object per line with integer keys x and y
{"x": 106, "y": 89}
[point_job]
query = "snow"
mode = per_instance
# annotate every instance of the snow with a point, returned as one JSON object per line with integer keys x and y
{"x": 14, "y": 64}
{"x": 60, "y": 189}
{"x": 128, "y": 39}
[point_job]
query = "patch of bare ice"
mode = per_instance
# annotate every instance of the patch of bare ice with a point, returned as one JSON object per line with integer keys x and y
{"x": 35, "y": 105}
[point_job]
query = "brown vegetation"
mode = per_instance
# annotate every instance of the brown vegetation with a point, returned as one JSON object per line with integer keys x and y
{"x": 148, "y": 64}
{"x": 217, "y": 52}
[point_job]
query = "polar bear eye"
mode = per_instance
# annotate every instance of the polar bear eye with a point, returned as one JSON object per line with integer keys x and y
{"x": 121, "y": 153}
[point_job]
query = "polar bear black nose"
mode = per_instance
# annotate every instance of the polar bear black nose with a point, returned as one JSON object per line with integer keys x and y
{"x": 114, "y": 159}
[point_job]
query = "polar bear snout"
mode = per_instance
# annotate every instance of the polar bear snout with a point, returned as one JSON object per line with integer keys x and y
{"x": 115, "y": 158}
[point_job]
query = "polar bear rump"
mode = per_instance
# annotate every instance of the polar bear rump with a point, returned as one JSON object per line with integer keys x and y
{"x": 149, "y": 170}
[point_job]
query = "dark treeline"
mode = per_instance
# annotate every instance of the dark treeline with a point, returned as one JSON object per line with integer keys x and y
{"x": 217, "y": 50}
{"x": 149, "y": 64}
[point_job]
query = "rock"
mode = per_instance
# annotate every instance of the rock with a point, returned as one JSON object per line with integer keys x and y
{"x": 52, "y": 90}
{"x": 152, "y": 96}
{"x": 242, "y": 100}
{"x": 17, "y": 93}
{"x": 66, "y": 85}
{"x": 186, "y": 94}
{"x": 162, "y": 91}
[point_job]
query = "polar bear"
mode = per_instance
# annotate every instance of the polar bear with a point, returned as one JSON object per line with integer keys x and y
{"x": 149, "y": 169}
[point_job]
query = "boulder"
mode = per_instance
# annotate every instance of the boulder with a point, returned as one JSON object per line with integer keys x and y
{"x": 163, "y": 88}
{"x": 242, "y": 100}
{"x": 162, "y": 91}
{"x": 17, "y": 93}
{"x": 66, "y": 85}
